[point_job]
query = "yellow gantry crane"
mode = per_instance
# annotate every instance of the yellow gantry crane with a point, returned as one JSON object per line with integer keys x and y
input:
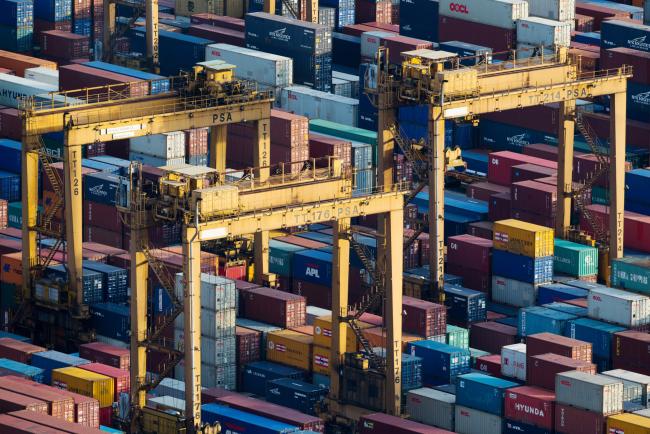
{"x": 453, "y": 91}
{"x": 309, "y": 14}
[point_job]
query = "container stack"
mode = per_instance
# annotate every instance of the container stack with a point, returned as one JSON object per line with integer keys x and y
{"x": 196, "y": 146}
{"x": 315, "y": 104}
{"x": 52, "y": 15}
{"x": 470, "y": 258}
{"x": 16, "y": 25}
{"x": 344, "y": 12}
{"x": 159, "y": 150}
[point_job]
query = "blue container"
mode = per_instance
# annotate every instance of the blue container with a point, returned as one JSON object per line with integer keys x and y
{"x": 536, "y": 319}
{"x": 464, "y": 49}
{"x": 589, "y": 38}
{"x": 17, "y": 39}
{"x": 568, "y": 308}
{"x": 100, "y": 166}
{"x": 177, "y": 51}
{"x": 476, "y": 162}
{"x": 110, "y": 430}
{"x": 158, "y": 84}
{"x": 111, "y": 320}
{"x": 295, "y": 394}
{"x": 615, "y": 33}
{"x": 367, "y": 112}
{"x": 637, "y": 207}
{"x": 456, "y": 224}
{"x": 23, "y": 370}
{"x": 509, "y": 321}
{"x": 599, "y": 333}
{"x": 101, "y": 187}
{"x": 313, "y": 266}
{"x": 281, "y": 257}
{"x": 503, "y": 309}
{"x": 4, "y": 334}
{"x": 522, "y": 268}
{"x": 122, "y": 164}
{"x": 91, "y": 281}
{"x": 16, "y": 13}
{"x": 240, "y": 422}
{"x": 637, "y": 183}
{"x": 161, "y": 302}
{"x": 346, "y": 50}
{"x": 552, "y": 292}
{"x": 345, "y": 11}
{"x": 53, "y": 10}
{"x": 441, "y": 363}
{"x": 638, "y": 101}
{"x": 320, "y": 380}
{"x": 505, "y": 137}
{"x": 82, "y": 26}
{"x": 460, "y": 204}
{"x": 411, "y": 372}
{"x": 482, "y": 392}
{"x": 256, "y": 374}
{"x": 115, "y": 280}
{"x": 48, "y": 360}
{"x": 11, "y": 152}
{"x": 516, "y": 427}
{"x": 464, "y": 136}
{"x": 10, "y": 186}
{"x": 464, "y": 306}
{"x": 419, "y": 19}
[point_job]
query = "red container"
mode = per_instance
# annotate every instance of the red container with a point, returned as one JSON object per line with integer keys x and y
{"x": 534, "y": 218}
{"x": 500, "y": 39}
{"x": 573, "y": 420}
{"x": 121, "y": 377}
{"x": 383, "y": 26}
{"x": 481, "y": 229}
{"x": 499, "y": 207}
{"x": 54, "y": 424}
{"x": 10, "y": 246}
{"x": 288, "y": 129}
{"x": 103, "y": 236}
{"x": 73, "y": 77}
{"x": 542, "y": 343}
{"x": 500, "y": 165}
{"x": 106, "y": 416}
{"x": 412, "y": 253}
{"x": 531, "y": 405}
{"x": 423, "y": 318}
{"x": 103, "y": 249}
{"x": 357, "y": 29}
{"x": 472, "y": 279}
{"x": 102, "y": 216}
{"x": 483, "y": 190}
{"x": 107, "y": 354}
{"x": 541, "y": 150}
{"x": 492, "y": 336}
{"x": 636, "y": 226}
{"x": 599, "y": 13}
{"x": 373, "y": 10}
{"x": 316, "y": 295}
{"x": 539, "y": 118}
{"x": 469, "y": 251}
{"x": 585, "y": 47}
{"x": 64, "y": 45}
{"x": 584, "y": 23}
{"x": 321, "y": 146}
{"x": 248, "y": 345}
{"x": 632, "y": 351}
{"x": 14, "y": 425}
{"x": 380, "y": 423}
{"x": 531, "y": 172}
{"x": 11, "y": 124}
{"x": 43, "y": 26}
{"x": 218, "y": 35}
{"x": 12, "y": 232}
{"x": 58, "y": 404}
{"x": 399, "y": 44}
{"x": 536, "y": 197}
{"x": 274, "y": 307}
{"x": 490, "y": 364}
{"x": 302, "y": 242}
{"x": 541, "y": 370}
{"x": 17, "y": 350}
{"x": 640, "y": 61}
{"x": 212, "y": 394}
{"x": 10, "y": 401}
{"x": 196, "y": 142}
{"x": 636, "y": 133}
{"x": 219, "y": 21}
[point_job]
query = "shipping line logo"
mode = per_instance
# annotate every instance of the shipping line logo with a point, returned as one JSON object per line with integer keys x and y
{"x": 457, "y": 7}
{"x": 98, "y": 190}
{"x": 642, "y": 98}
{"x": 530, "y": 410}
{"x": 639, "y": 43}
{"x": 280, "y": 35}
{"x": 518, "y": 140}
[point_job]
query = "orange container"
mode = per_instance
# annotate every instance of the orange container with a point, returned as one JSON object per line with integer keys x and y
{"x": 12, "y": 268}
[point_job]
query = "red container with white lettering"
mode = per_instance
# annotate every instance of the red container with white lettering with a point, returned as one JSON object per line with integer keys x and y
{"x": 573, "y": 420}
{"x": 542, "y": 369}
{"x": 531, "y": 405}
{"x": 489, "y": 364}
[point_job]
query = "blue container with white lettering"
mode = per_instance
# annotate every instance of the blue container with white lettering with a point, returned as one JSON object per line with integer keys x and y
{"x": 464, "y": 306}
{"x": 101, "y": 187}
{"x": 112, "y": 320}
{"x": 552, "y": 292}
{"x": 522, "y": 268}
{"x": 296, "y": 394}
{"x": 314, "y": 266}
{"x": 482, "y": 392}
{"x": 256, "y": 374}
{"x": 516, "y": 427}
{"x": 11, "y": 152}
{"x": 441, "y": 363}
{"x": 115, "y": 280}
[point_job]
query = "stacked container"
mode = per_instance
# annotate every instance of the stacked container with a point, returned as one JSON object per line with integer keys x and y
{"x": 470, "y": 258}
{"x": 16, "y": 25}
{"x": 619, "y": 307}
{"x": 158, "y": 150}
{"x": 514, "y": 361}
{"x": 316, "y": 104}
{"x": 441, "y": 363}
{"x": 595, "y": 393}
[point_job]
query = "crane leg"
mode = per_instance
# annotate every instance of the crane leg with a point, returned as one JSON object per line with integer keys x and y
{"x": 262, "y": 160}
{"x": 436, "y": 200}
{"x": 617, "y": 174}
{"x": 30, "y": 203}
{"x": 139, "y": 279}
{"x": 565, "y": 167}
{"x": 73, "y": 217}
{"x": 218, "y": 136}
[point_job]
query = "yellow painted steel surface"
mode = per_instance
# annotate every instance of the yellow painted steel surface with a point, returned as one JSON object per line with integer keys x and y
{"x": 157, "y": 422}
{"x": 523, "y": 238}
{"x": 323, "y": 333}
{"x": 290, "y": 348}
{"x": 628, "y": 424}
{"x": 321, "y": 360}
{"x": 86, "y": 383}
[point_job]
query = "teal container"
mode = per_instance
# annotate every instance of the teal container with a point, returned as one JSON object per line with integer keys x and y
{"x": 15, "y": 215}
{"x": 631, "y": 273}
{"x": 457, "y": 336}
{"x": 8, "y": 293}
{"x": 599, "y": 195}
{"x": 343, "y": 131}
{"x": 475, "y": 354}
{"x": 281, "y": 257}
{"x": 575, "y": 259}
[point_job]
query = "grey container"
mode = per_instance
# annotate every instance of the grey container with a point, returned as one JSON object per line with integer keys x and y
{"x": 597, "y": 393}
{"x": 645, "y": 412}
{"x": 513, "y": 292}
{"x": 642, "y": 382}
{"x": 314, "y": 312}
{"x": 431, "y": 407}
{"x": 170, "y": 387}
{"x": 471, "y": 421}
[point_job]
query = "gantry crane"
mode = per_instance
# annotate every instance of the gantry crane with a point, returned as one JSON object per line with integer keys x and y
{"x": 309, "y": 14}
{"x": 453, "y": 91}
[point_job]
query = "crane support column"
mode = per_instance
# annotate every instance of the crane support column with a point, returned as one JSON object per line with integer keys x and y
{"x": 109, "y": 29}
{"x": 30, "y": 203}
{"x": 152, "y": 33}
{"x": 312, "y": 11}
{"x": 218, "y": 136}
{"x": 262, "y": 159}
{"x": 436, "y": 157}
{"x": 340, "y": 265}
{"x": 192, "y": 326}
{"x": 617, "y": 174}
{"x": 565, "y": 167}
{"x": 269, "y": 6}
{"x": 393, "y": 315}
{"x": 73, "y": 216}
{"x": 139, "y": 278}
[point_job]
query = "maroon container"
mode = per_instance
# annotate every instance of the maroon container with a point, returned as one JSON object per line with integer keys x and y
{"x": 483, "y": 190}
{"x": 534, "y": 218}
{"x": 14, "y": 425}
{"x": 481, "y": 229}
{"x": 423, "y": 318}
{"x": 584, "y": 23}
{"x": 636, "y": 133}
{"x": 472, "y": 279}
{"x": 542, "y": 369}
{"x": 599, "y": 13}
{"x": 469, "y": 251}
{"x": 540, "y": 150}
{"x": 10, "y": 401}
{"x": 212, "y": 394}
{"x": 106, "y": 416}
{"x": 384, "y": 26}
{"x": 274, "y": 307}
{"x": 380, "y": 423}
{"x": 103, "y": 236}
{"x": 288, "y": 129}
{"x": 17, "y": 350}
{"x": 10, "y": 246}
{"x": 121, "y": 377}
{"x": 412, "y": 253}
{"x": 539, "y": 118}
{"x": 585, "y": 47}
{"x": 219, "y": 21}
{"x": 639, "y": 60}
{"x": 12, "y": 232}
{"x": 55, "y": 425}
{"x": 500, "y": 165}
{"x": 316, "y": 295}
{"x": 11, "y": 124}
{"x": 272, "y": 411}
{"x": 248, "y": 345}
{"x": 102, "y": 216}
{"x": 373, "y": 10}
{"x": 588, "y": 61}
{"x": 499, "y": 206}
{"x": 637, "y": 226}
{"x": 573, "y": 420}
{"x": 73, "y": 77}
{"x": 58, "y": 404}
{"x": 43, "y": 26}
{"x": 196, "y": 142}
{"x": 218, "y": 35}
{"x": 632, "y": 351}
{"x": 107, "y": 354}
{"x": 492, "y": 336}
{"x": 533, "y": 196}
{"x": 497, "y": 38}
{"x": 490, "y": 364}
{"x": 357, "y": 29}
{"x": 64, "y": 45}
{"x": 321, "y": 146}
{"x": 399, "y": 44}
{"x": 542, "y": 343}
{"x": 531, "y": 172}
{"x": 531, "y": 405}
{"x": 103, "y": 249}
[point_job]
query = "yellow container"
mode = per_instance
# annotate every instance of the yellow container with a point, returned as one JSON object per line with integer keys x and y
{"x": 290, "y": 348}
{"x": 628, "y": 423}
{"x": 523, "y": 238}
{"x": 323, "y": 333}
{"x": 85, "y": 383}
{"x": 321, "y": 361}
{"x": 158, "y": 422}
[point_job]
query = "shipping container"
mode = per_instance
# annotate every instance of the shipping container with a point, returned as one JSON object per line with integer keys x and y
{"x": 472, "y": 421}
{"x": 482, "y": 392}
{"x": 431, "y": 407}
{"x": 470, "y": 250}
{"x": 13, "y": 88}
{"x": 17, "y": 350}
{"x": 531, "y": 405}
{"x": 10, "y": 401}
{"x": 317, "y": 104}
{"x": 574, "y": 420}
{"x": 111, "y": 320}
{"x": 590, "y": 392}
{"x": 536, "y": 31}
{"x": 552, "y": 292}
{"x": 380, "y": 423}
{"x": 465, "y": 306}
{"x": 542, "y": 369}
{"x": 628, "y": 34}
{"x": 423, "y": 318}
{"x": 109, "y": 355}
{"x": 53, "y": 424}
{"x": 49, "y": 360}
{"x": 491, "y": 336}
{"x": 523, "y": 238}
{"x": 121, "y": 378}
{"x": 84, "y": 382}
{"x": 513, "y": 292}
{"x": 13, "y": 367}
{"x": 635, "y": 386}
{"x": 522, "y": 268}
{"x": 542, "y": 343}
{"x": 619, "y": 307}
{"x": 59, "y": 405}
{"x": 630, "y": 351}
{"x": 274, "y": 307}
{"x": 628, "y": 423}
{"x": 441, "y": 362}
{"x": 532, "y": 320}
{"x": 514, "y": 361}
{"x": 290, "y": 348}
{"x": 295, "y": 394}
{"x": 490, "y": 364}
{"x": 235, "y": 420}
{"x": 494, "y": 12}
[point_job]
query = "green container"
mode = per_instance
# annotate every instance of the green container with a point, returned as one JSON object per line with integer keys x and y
{"x": 475, "y": 354}
{"x": 343, "y": 131}
{"x": 599, "y": 195}
{"x": 457, "y": 337}
{"x": 281, "y": 257}
{"x": 15, "y": 215}
{"x": 631, "y": 273}
{"x": 575, "y": 259}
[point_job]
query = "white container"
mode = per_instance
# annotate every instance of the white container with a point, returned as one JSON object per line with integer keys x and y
{"x": 155, "y": 161}
{"x": 640, "y": 380}
{"x": 498, "y": 13}
{"x": 596, "y": 393}
{"x": 559, "y": 10}
{"x": 314, "y": 312}
{"x": 619, "y": 307}
{"x": 542, "y": 31}
{"x": 431, "y": 407}
{"x": 320, "y": 105}
{"x": 470, "y": 421}
{"x": 526, "y": 51}
{"x": 170, "y": 387}
{"x": 513, "y": 292}
{"x": 12, "y": 88}
{"x": 371, "y": 41}
{"x": 353, "y": 79}
{"x": 43, "y": 75}
{"x": 166, "y": 403}
{"x": 341, "y": 87}
{"x": 214, "y": 351}
{"x": 224, "y": 376}
{"x": 265, "y": 68}
{"x": 217, "y": 292}
{"x": 166, "y": 146}
{"x": 213, "y": 324}
{"x": 513, "y": 361}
